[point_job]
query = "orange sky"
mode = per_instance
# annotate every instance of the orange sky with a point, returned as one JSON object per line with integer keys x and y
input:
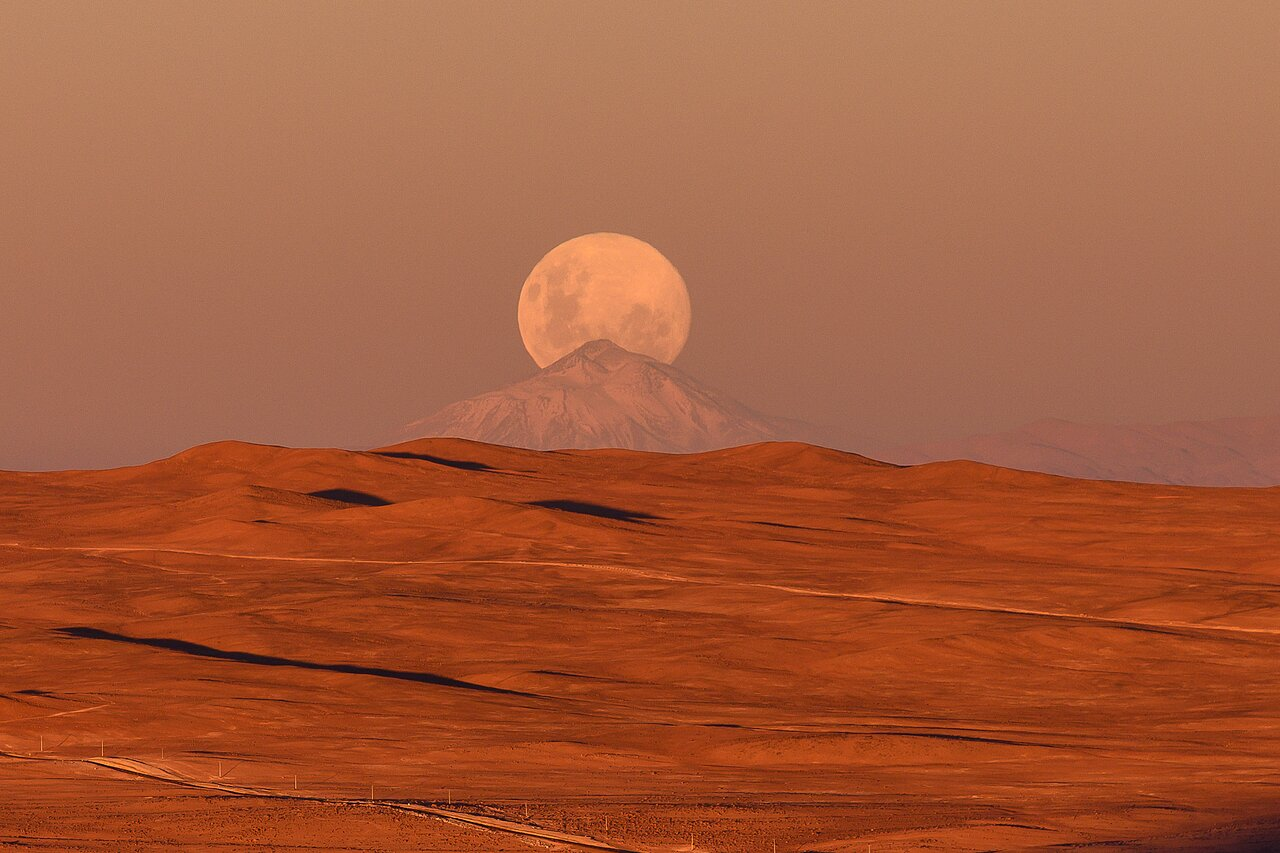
{"x": 308, "y": 223}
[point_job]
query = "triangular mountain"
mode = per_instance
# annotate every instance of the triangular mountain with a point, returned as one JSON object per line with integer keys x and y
{"x": 601, "y": 395}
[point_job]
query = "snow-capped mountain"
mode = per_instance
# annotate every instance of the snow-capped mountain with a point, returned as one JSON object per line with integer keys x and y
{"x": 602, "y": 395}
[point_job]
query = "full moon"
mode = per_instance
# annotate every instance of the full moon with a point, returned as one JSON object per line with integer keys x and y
{"x": 604, "y": 286}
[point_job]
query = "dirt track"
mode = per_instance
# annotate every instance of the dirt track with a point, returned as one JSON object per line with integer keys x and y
{"x": 160, "y": 774}
{"x": 667, "y": 576}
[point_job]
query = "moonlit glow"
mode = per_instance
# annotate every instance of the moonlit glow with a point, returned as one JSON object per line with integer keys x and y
{"x": 604, "y": 286}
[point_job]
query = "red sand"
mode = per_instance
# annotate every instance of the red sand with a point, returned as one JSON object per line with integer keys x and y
{"x": 773, "y": 644}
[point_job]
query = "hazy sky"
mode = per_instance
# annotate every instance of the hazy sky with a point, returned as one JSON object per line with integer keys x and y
{"x": 308, "y": 223}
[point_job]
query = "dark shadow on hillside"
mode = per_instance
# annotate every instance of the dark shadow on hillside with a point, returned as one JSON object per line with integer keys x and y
{"x": 199, "y": 650}
{"x": 460, "y": 464}
{"x": 350, "y": 496}
{"x": 597, "y": 510}
{"x": 790, "y": 526}
{"x": 1250, "y": 835}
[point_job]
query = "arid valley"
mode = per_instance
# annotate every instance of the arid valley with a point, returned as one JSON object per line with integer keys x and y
{"x": 445, "y": 645}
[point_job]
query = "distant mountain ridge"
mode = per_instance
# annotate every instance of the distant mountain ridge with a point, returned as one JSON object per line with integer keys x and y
{"x": 602, "y": 395}
{"x": 1229, "y": 452}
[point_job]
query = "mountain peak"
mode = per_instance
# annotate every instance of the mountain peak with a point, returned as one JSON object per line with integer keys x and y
{"x": 601, "y": 395}
{"x": 601, "y": 348}
{"x": 599, "y": 355}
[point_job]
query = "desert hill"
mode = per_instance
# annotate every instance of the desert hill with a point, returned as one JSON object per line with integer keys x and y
{"x": 601, "y": 395}
{"x": 714, "y": 652}
{"x": 1230, "y": 452}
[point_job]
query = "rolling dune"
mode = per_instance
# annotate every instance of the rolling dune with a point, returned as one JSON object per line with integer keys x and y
{"x": 768, "y": 645}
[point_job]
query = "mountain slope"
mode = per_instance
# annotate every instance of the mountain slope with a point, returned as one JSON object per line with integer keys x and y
{"x": 1232, "y": 452}
{"x": 601, "y": 395}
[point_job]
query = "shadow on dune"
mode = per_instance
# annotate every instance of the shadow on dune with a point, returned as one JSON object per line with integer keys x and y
{"x": 350, "y": 496}
{"x": 597, "y": 510}
{"x": 460, "y": 464}
{"x": 1257, "y": 844}
{"x": 198, "y": 650}
{"x": 1251, "y": 835}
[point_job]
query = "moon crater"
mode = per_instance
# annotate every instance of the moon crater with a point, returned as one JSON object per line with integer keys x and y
{"x": 607, "y": 286}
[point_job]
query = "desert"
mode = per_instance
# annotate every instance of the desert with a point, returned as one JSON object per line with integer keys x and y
{"x": 447, "y": 645}
{"x": 731, "y": 426}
